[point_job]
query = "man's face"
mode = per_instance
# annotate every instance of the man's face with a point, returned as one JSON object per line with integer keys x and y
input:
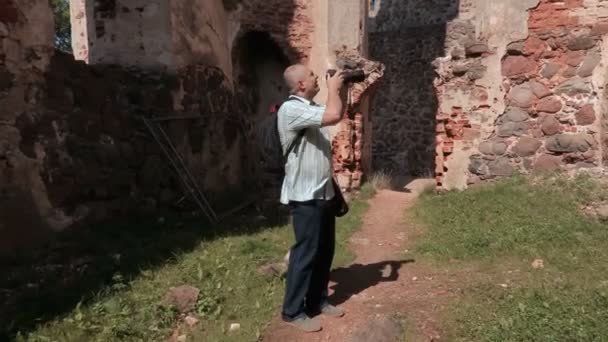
{"x": 310, "y": 83}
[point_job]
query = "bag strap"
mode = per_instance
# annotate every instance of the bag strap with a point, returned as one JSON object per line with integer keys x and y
{"x": 300, "y": 133}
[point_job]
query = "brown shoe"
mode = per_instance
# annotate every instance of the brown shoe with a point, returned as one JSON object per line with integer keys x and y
{"x": 332, "y": 311}
{"x": 306, "y": 324}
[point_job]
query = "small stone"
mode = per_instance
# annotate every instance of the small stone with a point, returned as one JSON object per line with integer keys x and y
{"x": 569, "y": 72}
{"x": 477, "y": 72}
{"x": 517, "y": 65}
{"x": 509, "y": 129}
{"x": 515, "y": 48}
{"x": 573, "y": 87}
{"x": 474, "y": 48}
{"x": 501, "y": 167}
{"x": 549, "y": 70}
{"x": 191, "y": 321}
{"x": 549, "y": 125}
{"x": 521, "y": 96}
{"x": 549, "y": 105}
{"x": 234, "y": 327}
{"x": 539, "y": 89}
{"x": 538, "y": 263}
{"x": 478, "y": 166}
{"x": 586, "y": 115}
{"x": 581, "y": 43}
{"x": 183, "y": 297}
{"x": 493, "y": 147}
{"x": 599, "y": 29}
{"x": 526, "y": 146}
{"x": 473, "y": 180}
{"x": 461, "y": 68}
{"x": 574, "y": 58}
{"x": 516, "y": 115}
{"x": 602, "y": 212}
{"x": 457, "y": 52}
{"x": 566, "y": 143}
{"x": 547, "y": 162}
{"x": 590, "y": 62}
{"x": 273, "y": 270}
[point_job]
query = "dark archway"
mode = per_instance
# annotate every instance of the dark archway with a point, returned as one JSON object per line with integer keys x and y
{"x": 259, "y": 63}
{"x": 407, "y": 36}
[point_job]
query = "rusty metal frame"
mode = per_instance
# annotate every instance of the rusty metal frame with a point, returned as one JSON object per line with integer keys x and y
{"x": 158, "y": 133}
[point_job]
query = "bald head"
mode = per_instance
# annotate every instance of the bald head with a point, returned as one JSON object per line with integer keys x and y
{"x": 301, "y": 81}
{"x": 294, "y": 74}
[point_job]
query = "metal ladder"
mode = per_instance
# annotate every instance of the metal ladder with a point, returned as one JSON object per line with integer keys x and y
{"x": 158, "y": 133}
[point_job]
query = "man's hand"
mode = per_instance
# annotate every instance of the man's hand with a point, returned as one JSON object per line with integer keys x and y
{"x": 335, "y": 82}
{"x": 334, "y": 107}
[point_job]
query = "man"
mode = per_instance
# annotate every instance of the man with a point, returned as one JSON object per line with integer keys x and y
{"x": 307, "y": 189}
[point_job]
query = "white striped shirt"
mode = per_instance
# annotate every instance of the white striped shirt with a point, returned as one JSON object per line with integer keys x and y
{"x": 308, "y": 172}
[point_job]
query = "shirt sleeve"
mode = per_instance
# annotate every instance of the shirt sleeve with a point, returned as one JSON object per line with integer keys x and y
{"x": 297, "y": 115}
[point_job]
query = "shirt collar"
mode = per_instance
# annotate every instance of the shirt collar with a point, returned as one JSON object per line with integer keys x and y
{"x": 312, "y": 103}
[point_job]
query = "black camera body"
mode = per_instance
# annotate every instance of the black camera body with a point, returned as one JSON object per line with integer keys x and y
{"x": 350, "y": 75}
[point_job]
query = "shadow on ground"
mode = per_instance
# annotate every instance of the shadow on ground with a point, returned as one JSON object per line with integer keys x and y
{"x": 356, "y": 278}
{"x": 81, "y": 262}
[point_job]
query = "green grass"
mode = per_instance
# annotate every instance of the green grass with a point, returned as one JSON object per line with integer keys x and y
{"x": 505, "y": 226}
{"x": 223, "y": 267}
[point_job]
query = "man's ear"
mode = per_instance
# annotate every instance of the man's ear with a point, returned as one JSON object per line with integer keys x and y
{"x": 300, "y": 85}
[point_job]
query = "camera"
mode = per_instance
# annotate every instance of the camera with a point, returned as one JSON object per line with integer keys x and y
{"x": 350, "y": 75}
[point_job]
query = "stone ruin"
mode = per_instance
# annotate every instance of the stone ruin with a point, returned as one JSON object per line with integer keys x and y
{"x": 460, "y": 90}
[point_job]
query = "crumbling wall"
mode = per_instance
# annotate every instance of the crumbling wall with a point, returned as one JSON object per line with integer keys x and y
{"x": 349, "y": 142}
{"x": 128, "y": 32}
{"x": 520, "y": 90}
{"x": 200, "y": 34}
{"x": 73, "y": 147}
{"x": 25, "y": 53}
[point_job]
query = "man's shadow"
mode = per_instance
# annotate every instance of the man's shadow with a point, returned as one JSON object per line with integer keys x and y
{"x": 355, "y": 278}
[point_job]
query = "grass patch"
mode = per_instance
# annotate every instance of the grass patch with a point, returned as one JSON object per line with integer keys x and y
{"x": 512, "y": 217}
{"x": 381, "y": 180}
{"x": 552, "y": 312}
{"x": 223, "y": 267}
{"x": 507, "y": 225}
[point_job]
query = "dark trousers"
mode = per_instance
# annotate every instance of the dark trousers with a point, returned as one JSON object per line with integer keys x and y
{"x": 314, "y": 225}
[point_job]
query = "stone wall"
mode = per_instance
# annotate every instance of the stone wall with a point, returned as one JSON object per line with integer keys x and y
{"x": 25, "y": 53}
{"x": 407, "y": 36}
{"x": 521, "y": 92}
{"x": 404, "y": 107}
{"x": 73, "y": 148}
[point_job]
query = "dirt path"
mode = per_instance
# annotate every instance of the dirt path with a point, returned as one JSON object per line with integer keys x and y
{"x": 381, "y": 281}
